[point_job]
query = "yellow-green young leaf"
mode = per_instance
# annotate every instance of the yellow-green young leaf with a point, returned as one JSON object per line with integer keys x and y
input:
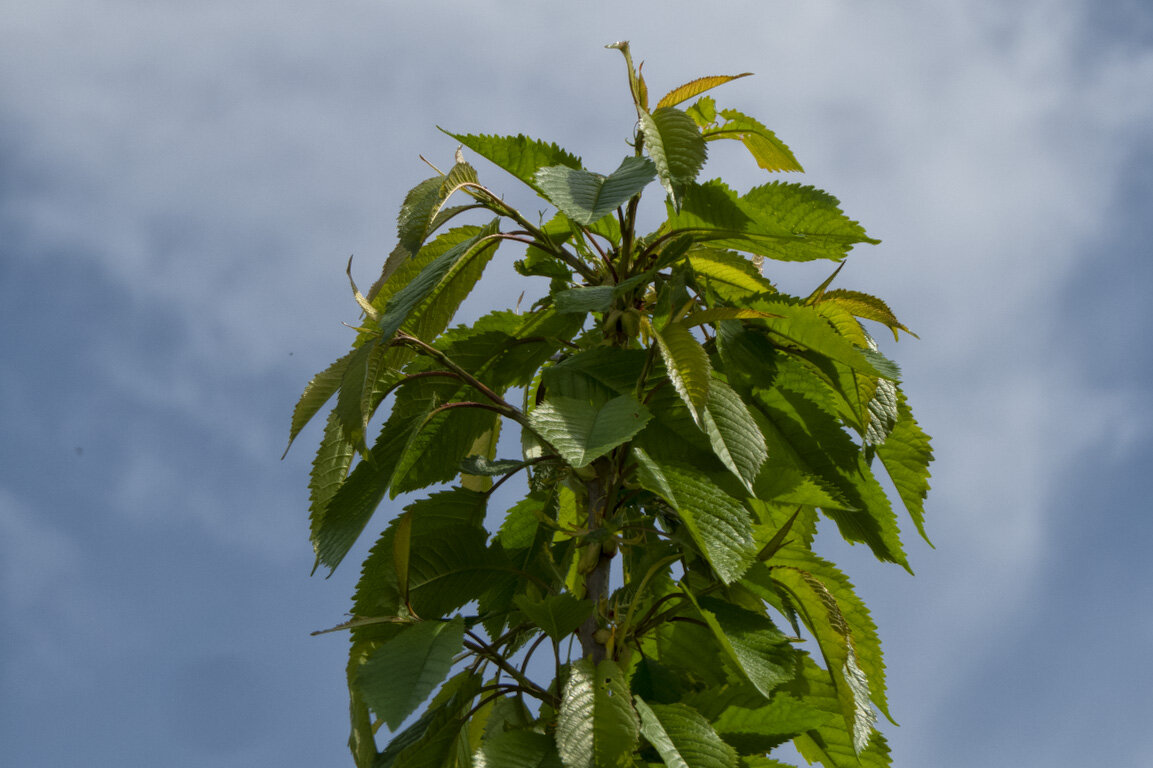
{"x": 718, "y": 524}
{"x": 906, "y": 454}
{"x": 674, "y": 143}
{"x": 582, "y": 432}
{"x": 483, "y": 451}
{"x": 682, "y": 737}
{"x": 588, "y": 197}
{"x": 597, "y": 726}
{"x": 736, "y": 439}
{"x": 688, "y": 366}
{"x": 318, "y": 392}
{"x": 770, "y": 152}
{"x": 731, "y": 275}
{"x": 329, "y": 470}
{"x": 402, "y": 673}
{"x": 519, "y": 155}
{"x": 867, "y": 307}
{"x": 696, "y": 88}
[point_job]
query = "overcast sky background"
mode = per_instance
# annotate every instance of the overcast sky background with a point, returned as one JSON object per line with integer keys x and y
{"x": 181, "y": 185}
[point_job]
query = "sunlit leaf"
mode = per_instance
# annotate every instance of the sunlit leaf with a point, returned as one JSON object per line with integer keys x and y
{"x": 906, "y": 454}
{"x": 688, "y": 366}
{"x": 597, "y": 725}
{"x": 770, "y": 152}
{"x": 519, "y": 155}
{"x": 582, "y": 432}
{"x": 586, "y": 197}
{"x": 682, "y": 737}
{"x": 696, "y": 88}
{"x": 674, "y": 143}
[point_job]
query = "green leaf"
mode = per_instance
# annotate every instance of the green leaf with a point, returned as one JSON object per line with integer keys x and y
{"x": 770, "y": 152}
{"x": 688, "y": 366}
{"x": 582, "y": 432}
{"x": 800, "y": 433}
{"x": 753, "y": 643}
{"x": 518, "y": 749}
{"x": 519, "y": 155}
{"x": 597, "y": 726}
{"x": 718, "y": 524}
{"x": 329, "y": 470}
{"x": 483, "y": 466}
{"x": 787, "y": 222}
{"x": 682, "y": 737}
{"x": 558, "y": 616}
{"x": 596, "y": 298}
{"x": 318, "y": 392}
{"x": 833, "y": 743}
{"x": 763, "y": 728}
{"x": 436, "y": 278}
{"x": 676, "y": 147}
{"x": 587, "y": 197}
{"x": 349, "y": 508}
{"x": 906, "y": 454}
{"x": 735, "y": 436}
{"x": 867, "y": 307}
{"x": 402, "y": 673}
{"x": 696, "y": 88}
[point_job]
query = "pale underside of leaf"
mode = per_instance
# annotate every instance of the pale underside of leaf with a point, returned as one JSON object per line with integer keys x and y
{"x": 587, "y": 197}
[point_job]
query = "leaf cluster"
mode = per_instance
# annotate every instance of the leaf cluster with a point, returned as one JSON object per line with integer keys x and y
{"x": 653, "y": 596}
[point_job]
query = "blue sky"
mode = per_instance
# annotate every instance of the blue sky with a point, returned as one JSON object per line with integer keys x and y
{"x": 181, "y": 186}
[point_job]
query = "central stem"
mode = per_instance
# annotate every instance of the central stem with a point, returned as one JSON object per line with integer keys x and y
{"x": 596, "y": 581}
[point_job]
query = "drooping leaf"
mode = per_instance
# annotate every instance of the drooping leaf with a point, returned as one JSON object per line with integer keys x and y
{"x": 581, "y": 431}
{"x": 696, "y": 88}
{"x": 688, "y": 366}
{"x": 597, "y": 726}
{"x": 329, "y": 470}
{"x": 770, "y": 152}
{"x": 833, "y": 744}
{"x": 751, "y": 641}
{"x": 868, "y": 308}
{"x": 906, "y": 454}
{"x": 682, "y": 737}
{"x": 558, "y": 616}
{"x": 318, "y": 392}
{"x": 762, "y": 728}
{"x": 436, "y": 278}
{"x": 587, "y": 197}
{"x": 519, "y": 155}
{"x": 674, "y": 143}
{"x": 719, "y": 525}
{"x": 403, "y": 672}
{"x": 735, "y": 436}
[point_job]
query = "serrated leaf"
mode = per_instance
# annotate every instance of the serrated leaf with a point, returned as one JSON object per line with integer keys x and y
{"x": 434, "y": 278}
{"x": 319, "y": 390}
{"x": 760, "y": 729}
{"x": 736, "y": 439}
{"x": 329, "y": 470}
{"x": 867, "y": 307}
{"x": 787, "y": 222}
{"x": 674, "y": 143}
{"x": 558, "y": 616}
{"x": 906, "y": 454}
{"x": 581, "y": 431}
{"x": 518, "y": 749}
{"x": 682, "y": 737}
{"x": 751, "y": 641}
{"x": 832, "y": 744}
{"x": 731, "y": 275}
{"x": 587, "y": 197}
{"x": 770, "y": 152}
{"x": 519, "y": 155}
{"x": 696, "y": 88}
{"x": 688, "y": 366}
{"x": 718, "y": 524}
{"x": 482, "y": 466}
{"x": 403, "y": 672}
{"x": 597, "y": 726}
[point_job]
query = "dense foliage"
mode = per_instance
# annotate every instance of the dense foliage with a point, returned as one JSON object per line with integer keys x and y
{"x": 653, "y": 596}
